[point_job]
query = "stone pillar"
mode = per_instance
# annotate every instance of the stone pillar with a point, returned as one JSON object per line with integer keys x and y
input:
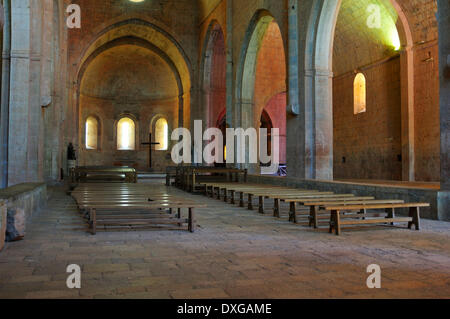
{"x": 5, "y": 85}
{"x": 322, "y": 153}
{"x": 310, "y": 115}
{"x": 444, "y": 75}
{"x": 407, "y": 114}
{"x": 19, "y": 92}
{"x": 3, "y": 216}
{"x": 35, "y": 119}
{"x": 229, "y": 70}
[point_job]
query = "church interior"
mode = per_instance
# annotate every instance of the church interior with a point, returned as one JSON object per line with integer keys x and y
{"x": 355, "y": 92}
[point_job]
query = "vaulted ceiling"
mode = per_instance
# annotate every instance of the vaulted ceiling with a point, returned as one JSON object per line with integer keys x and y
{"x": 130, "y": 72}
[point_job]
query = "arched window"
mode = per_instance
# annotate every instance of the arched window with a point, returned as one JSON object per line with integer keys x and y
{"x": 91, "y": 133}
{"x": 126, "y": 132}
{"x": 359, "y": 93}
{"x": 162, "y": 135}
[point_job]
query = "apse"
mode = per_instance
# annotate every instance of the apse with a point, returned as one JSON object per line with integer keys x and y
{"x": 125, "y": 88}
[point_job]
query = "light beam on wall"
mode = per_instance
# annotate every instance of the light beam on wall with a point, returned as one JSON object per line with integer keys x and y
{"x": 395, "y": 39}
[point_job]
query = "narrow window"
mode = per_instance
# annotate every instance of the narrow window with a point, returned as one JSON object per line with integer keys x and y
{"x": 162, "y": 135}
{"x": 359, "y": 92}
{"x": 91, "y": 133}
{"x": 126, "y": 130}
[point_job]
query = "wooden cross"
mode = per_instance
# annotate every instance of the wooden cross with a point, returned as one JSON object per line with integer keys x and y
{"x": 150, "y": 144}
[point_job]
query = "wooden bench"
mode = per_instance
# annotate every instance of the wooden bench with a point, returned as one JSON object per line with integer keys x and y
{"x": 319, "y": 206}
{"x": 337, "y": 219}
{"x": 193, "y": 176}
{"x": 104, "y": 174}
{"x": 171, "y": 173}
{"x": 241, "y": 188}
{"x": 133, "y": 206}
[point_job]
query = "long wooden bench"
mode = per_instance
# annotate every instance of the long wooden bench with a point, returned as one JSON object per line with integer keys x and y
{"x": 338, "y": 219}
{"x": 104, "y": 174}
{"x": 133, "y": 206}
{"x": 315, "y": 201}
{"x": 193, "y": 176}
{"x": 319, "y": 206}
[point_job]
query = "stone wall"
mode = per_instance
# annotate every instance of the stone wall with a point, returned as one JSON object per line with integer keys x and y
{"x": 426, "y": 112}
{"x": 368, "y": 145}
{"x": 23, "y": 202}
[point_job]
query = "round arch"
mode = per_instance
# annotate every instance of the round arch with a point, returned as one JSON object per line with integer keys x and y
{"x": 318, "y": 97}
{"x": 214, "y": 40}
{"x": 245, "y": 112}
{"x": 147, "y": 35}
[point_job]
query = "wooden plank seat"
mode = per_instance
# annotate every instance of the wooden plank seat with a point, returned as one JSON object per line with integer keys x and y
{"x": 193, "y": 176}
{"x": 103, "y": 173}
{"x": 283, "y": 195}
{"x": 242, "y": 191}
{"x": 293, "y": 200}
{"x": 117, "y": 213}
{"x": 338, "y": 219}
{"x": 315, "y": 208}
{"x": 233, "y": 188}
{"x": 116, "y": 207}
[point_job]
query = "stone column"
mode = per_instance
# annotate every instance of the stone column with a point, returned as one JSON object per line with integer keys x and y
{"x": 6, "y": 73}
{"x": 19, "y": 92}
{"x": 310, "y": 115}
{"x": 407, "y": 114}
{"x": 444, "y": 75}
{"x": 35, "y": 119}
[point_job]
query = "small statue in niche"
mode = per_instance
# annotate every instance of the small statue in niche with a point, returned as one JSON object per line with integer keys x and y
{"x": 71, "y": 156}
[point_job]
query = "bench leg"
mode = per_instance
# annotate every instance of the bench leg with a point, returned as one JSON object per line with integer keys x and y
{"x": 338, "y": 223}
{"x": 276, "y": 208}
{"x": 390, "y": 213}
{"x": 292, "y": 213}
{"x": 363, "y": 212}
{"x": 241, "y": 200}
{"x": 93, "y": 216}
{"x": 335, "y": 222}
{"x": 191, "y": 226}
{"x": 232, "y": 197}
{"x": 179, "y": 216}
{"x": 261, "y": 205}
{"x": 313, "y": 219}
{"x": 414, "y": 212}
{"x": 218, "y": 193}
{"x": 332, "y": 222}
{"x": 250, "y": 201}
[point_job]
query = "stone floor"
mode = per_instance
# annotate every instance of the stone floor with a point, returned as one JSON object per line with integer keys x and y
{"x": 235, "y": 253}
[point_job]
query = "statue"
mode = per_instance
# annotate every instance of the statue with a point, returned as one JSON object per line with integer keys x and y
{"x": 71, "y": 156}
